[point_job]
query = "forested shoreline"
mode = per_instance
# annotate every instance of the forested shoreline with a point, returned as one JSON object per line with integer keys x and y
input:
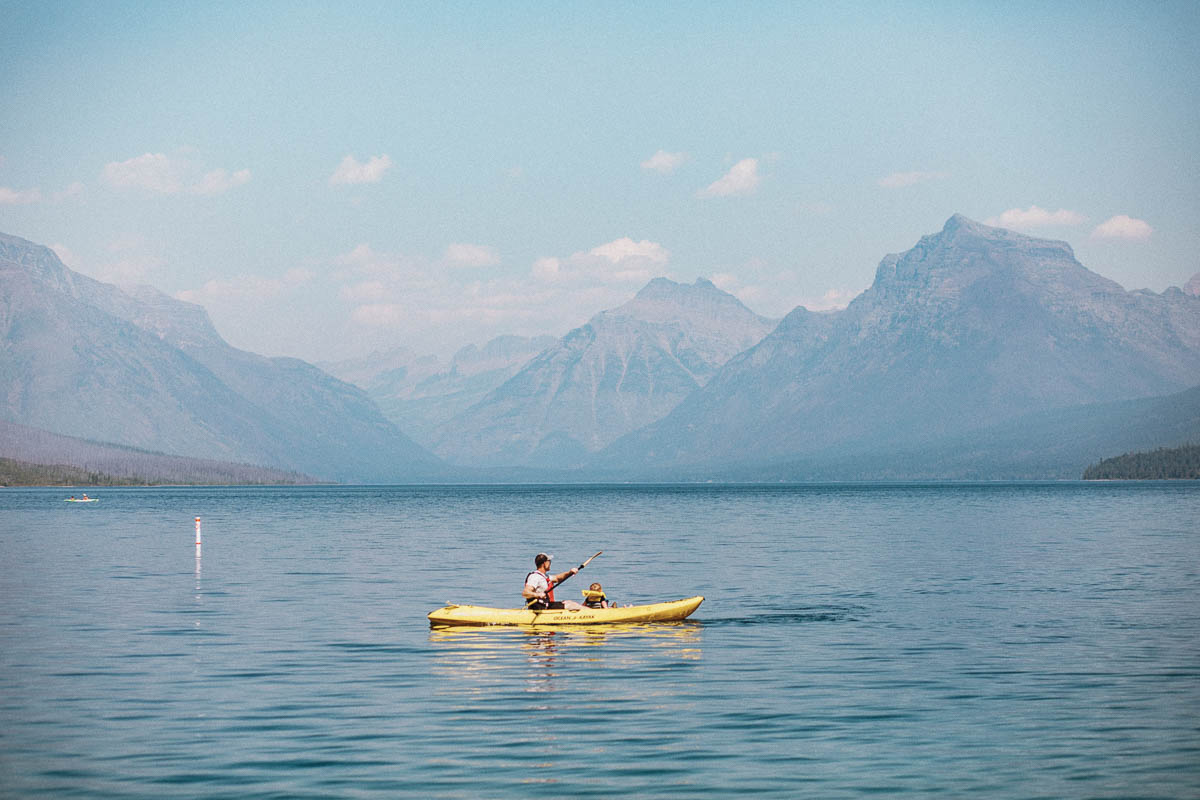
{"x": 1165, "y": 463}
{"x": 23, "y": 473}
{"x": 32, "y": 457}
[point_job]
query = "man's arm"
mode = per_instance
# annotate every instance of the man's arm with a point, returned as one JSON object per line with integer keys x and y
{"x": 562, "y": 576}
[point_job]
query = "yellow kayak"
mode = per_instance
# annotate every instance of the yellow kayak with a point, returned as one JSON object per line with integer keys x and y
{"x": 671, "y": 611}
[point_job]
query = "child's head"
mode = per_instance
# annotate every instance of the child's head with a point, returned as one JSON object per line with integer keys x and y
{"x": 596, "y": 587}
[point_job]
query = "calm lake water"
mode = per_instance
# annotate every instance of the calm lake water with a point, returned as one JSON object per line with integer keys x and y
{"x": 1012, "y": 640}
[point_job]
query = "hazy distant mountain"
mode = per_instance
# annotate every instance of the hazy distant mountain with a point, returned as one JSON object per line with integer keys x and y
{"x": 972, "y": 327}
{"x": 140, "y": 369}
{"x": 1192, "y": 287}
{"x": 623, "y": 369}
{"x": 1056, "y": 444}
{"x": 400, "y": 365}
{"x": 419, "y": 394}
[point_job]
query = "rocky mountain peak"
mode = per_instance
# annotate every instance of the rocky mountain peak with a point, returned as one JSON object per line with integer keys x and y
{"x": 664, "y": 301}
{"x": 1192, "y": 287}
{"x": 965, "y": 252}
{"x": 38, "y": 261}
{"x": 181, "y": 323}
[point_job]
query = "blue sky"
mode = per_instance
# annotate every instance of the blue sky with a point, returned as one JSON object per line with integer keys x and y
{"x": 329, "y": 179}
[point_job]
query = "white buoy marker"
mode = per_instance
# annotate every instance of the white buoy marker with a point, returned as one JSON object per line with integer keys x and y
{"x": 197, "y": 537}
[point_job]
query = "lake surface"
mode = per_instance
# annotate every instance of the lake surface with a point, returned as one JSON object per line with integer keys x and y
{"x": 998, "y": 640}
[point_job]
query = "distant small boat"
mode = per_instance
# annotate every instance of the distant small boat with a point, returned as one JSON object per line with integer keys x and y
{"x": 82, "y": 500}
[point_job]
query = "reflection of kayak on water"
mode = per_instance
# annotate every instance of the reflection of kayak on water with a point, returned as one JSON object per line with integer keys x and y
{"x": 671, "y": 611}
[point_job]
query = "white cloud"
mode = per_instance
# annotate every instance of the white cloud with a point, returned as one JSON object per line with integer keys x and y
{"x": 130, "y": 259}
{"x": 65, "y": 255}
{"x": 16, "y": 197}
{"x": 832, "y": 299}
{"x": 1122, "y": 227}
{"x": 246, "y": 288}
{"x": 620, "y": 261}
{"x": 350, "y": 171}
{"x": 397, "y": 272}
{"x": 471, "y": 255}
{"x": 620, "y": 249}
{"x": 219, "y": 181}
{"x": 726, "y": 282}
{"x": 664, "y": 162}
{"x": 742, "y": 179}
{"x": 1035, "y": 217}
{"x": 13, "y": 197}
{"x": 158, "y": 173}
{"x": 546, "y": 269}
{"x": 362, "y": 260}
{"x": 361, "y": 255}
{"x": 383, "y": 297}
{"x": 898, "y": 180}
{"x": 364, "y": 292}
{"x": 153, "y": 172}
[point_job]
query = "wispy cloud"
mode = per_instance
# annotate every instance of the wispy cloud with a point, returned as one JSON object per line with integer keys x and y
{"x": 65, "y": 255}
{"x": 159, "y": 173}
{"x": 664, "y": 162}
{"x": 219, "y": 181}
{"x": 153, "y": 172}
{"x": 899, "y": 180}
{"x": 619, "y": 250}
{"x": 1035, "y": 217}
{"x": 14, "y": 197}
{"x": 742, "y": 179}
{"x": 621, "y": 261}
{"x": 1122, "y": 227}
{"x": 247, "y": 288}
{"x": 384, "y": 294}
{"x": 350, "y": 171}
{"x": 128, "y": 258}
{"x": 471, "y": 255}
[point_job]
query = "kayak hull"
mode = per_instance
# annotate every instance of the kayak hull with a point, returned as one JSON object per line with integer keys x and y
{"x": 672, "y": 611}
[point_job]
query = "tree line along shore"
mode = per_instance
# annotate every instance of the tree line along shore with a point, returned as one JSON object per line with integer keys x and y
{"x": 1165, "y": 463}
{"x": 186, "y": 473}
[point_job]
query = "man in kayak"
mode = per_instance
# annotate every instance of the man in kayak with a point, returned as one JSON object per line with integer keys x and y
{"x": 539, "y": 586}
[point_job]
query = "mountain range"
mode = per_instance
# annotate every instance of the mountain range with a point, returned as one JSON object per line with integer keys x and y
{"x": 978, "y": 353}
{"x": 420, "y": 394}
{"x": 972, "y": 327}
{"x": 140, "y": 369}
{"x": 623, "y": 369}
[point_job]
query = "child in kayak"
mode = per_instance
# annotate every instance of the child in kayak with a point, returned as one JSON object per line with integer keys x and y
{"x": 594, "y": 597}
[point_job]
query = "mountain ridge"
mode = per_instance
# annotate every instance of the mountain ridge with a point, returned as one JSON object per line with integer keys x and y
{"x": 624, "y": 367}
{"x": 971, "y": 326}
{"x": 84, "y": 358}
